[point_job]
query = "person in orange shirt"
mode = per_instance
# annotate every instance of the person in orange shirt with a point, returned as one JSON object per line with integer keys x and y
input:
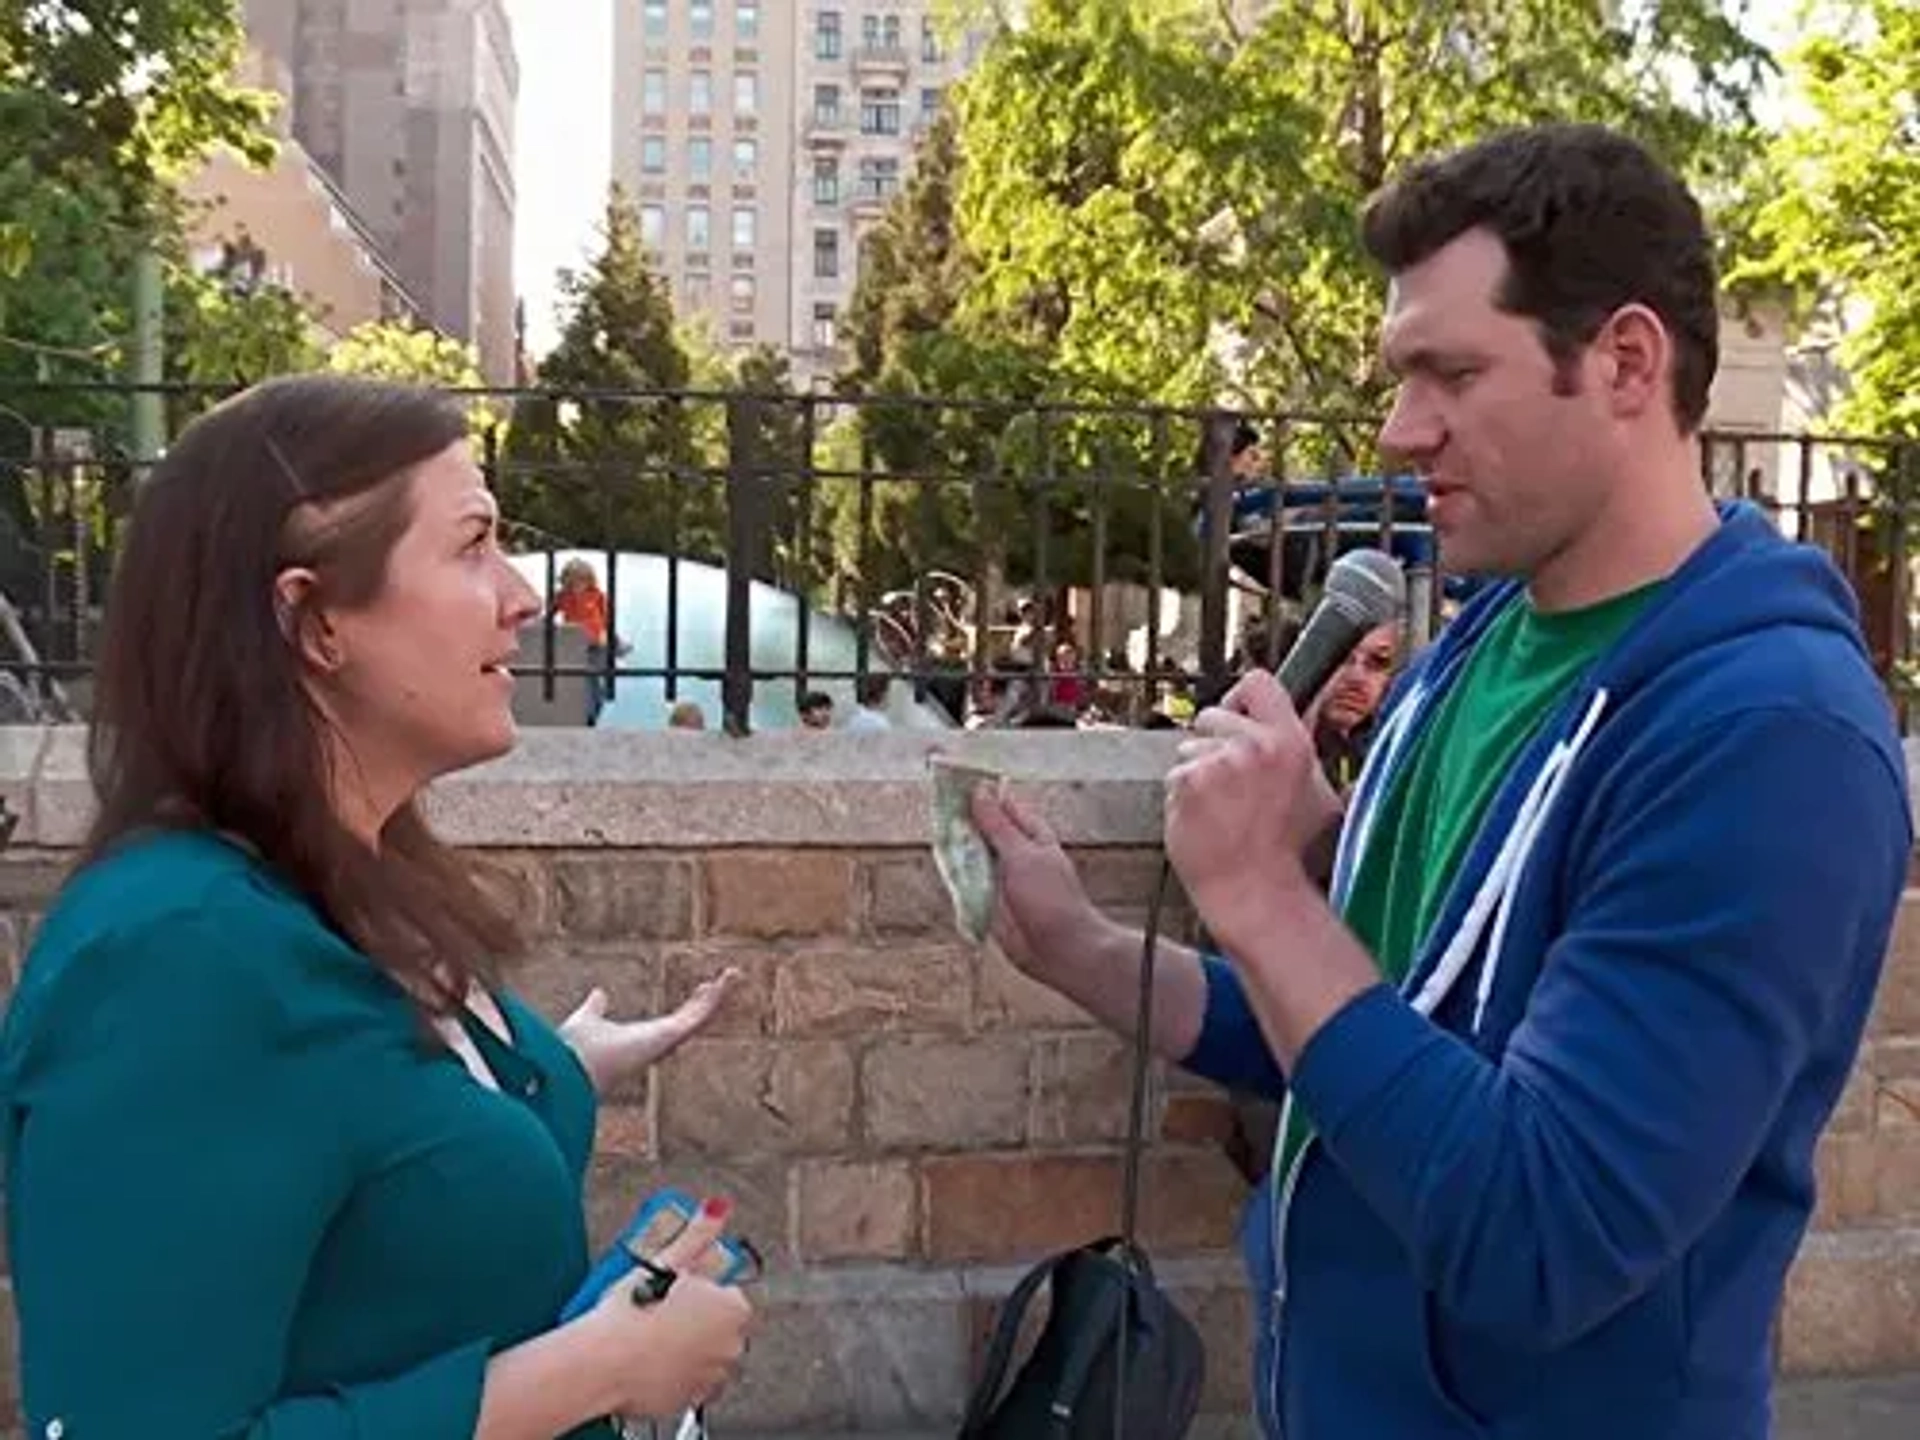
{"x": 582, "y": 602}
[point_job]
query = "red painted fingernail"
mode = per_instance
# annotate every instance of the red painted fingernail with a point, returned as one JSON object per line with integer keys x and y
{"x": 716, "y": 1207}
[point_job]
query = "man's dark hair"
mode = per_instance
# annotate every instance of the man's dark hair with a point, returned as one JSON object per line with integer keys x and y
{"x": 871, "y": 689}
{"x": 1591, "y": 221}
{"x": 815, "y": 700}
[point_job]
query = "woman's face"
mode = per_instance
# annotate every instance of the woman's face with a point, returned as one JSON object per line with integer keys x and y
{"x": 419, "y": 683}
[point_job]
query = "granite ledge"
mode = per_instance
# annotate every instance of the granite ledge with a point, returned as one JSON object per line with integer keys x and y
{"x": 687, "y": 790}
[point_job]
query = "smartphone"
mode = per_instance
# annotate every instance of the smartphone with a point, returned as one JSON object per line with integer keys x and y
{"x": 730, "y": 1260}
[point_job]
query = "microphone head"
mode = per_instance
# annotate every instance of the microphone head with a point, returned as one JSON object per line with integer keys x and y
{"x": 1368, "y": 586}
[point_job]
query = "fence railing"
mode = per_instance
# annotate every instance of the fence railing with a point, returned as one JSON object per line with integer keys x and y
{"x": 784, "y": 544}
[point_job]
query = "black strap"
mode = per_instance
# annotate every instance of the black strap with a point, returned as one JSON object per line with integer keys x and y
{"x": 1005, "y": 1333}
{"x": 1130, "y": 1252}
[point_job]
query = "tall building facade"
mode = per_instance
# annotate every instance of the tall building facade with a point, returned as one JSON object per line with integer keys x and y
{"x": 408, "y": 106}
{"x": 760, "y": 138}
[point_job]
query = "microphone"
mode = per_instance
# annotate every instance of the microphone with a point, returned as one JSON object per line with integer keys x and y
{"x": 1364, "y": 589}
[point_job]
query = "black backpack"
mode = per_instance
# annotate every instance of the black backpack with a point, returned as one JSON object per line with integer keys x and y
{"x": 1081, "y": 1381}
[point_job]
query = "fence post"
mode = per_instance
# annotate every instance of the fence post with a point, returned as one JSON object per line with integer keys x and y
{"x": 1217, "y": 457}
{"x": 747, "y": 476}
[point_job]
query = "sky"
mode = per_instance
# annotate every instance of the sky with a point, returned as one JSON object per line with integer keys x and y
{"x": 563, "y": 146}
{"x": 565, "y": 137}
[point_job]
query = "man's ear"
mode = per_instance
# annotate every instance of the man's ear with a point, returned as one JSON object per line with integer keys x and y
{"x": 303, "y": 622}
{"x": 1639, "y": 352}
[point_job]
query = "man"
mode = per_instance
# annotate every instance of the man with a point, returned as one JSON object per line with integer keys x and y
{"x": 1342, "y": 719}
{"x": 816, "y": 710}
{"x": 1595, "y": 964}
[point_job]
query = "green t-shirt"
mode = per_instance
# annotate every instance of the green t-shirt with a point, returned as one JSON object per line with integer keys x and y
{"x": 1521, "y": 669}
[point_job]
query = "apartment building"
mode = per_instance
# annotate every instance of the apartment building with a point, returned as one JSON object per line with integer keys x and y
{"x": 760, "y": 138}
{"x": 408, "y": 107}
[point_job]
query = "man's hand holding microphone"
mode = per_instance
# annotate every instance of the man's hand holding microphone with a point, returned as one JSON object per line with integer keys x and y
{"x": 1247, "y": 807}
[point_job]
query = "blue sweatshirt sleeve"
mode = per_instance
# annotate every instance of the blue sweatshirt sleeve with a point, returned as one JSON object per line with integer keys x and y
{"x": 1232, "y": 1049}
{"x": 1730, "y": 923}
{"x": 173, "y": 1168}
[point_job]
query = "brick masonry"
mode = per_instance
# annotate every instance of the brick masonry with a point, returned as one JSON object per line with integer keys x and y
{"x": 905, "y": 1121}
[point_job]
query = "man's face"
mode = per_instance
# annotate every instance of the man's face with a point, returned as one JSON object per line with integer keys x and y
{"x": 1354, "y": 693}
{"x": 1515, "y": 464}
{"x": 818, "y": 717}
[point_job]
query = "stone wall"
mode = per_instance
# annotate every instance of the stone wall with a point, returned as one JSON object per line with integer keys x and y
{"x": 904, "y": 1120}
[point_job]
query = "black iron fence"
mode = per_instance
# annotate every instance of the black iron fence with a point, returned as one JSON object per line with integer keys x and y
{"x": 1032, "y": 563}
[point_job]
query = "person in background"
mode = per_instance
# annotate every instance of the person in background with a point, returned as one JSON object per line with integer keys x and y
{"x": 1067, "y": 690}
{"x": 816, "y": 710}
{"x": 284, "y": 1152}
{"x": 687, "y": 715}
{"x": 581, "y": 602}
{"x": 1558, "y": 1044}
{"x": 870, "y": 712}
{"x": 1343, "y": 717}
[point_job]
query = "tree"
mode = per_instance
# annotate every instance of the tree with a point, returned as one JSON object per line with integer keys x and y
{"x": 102, "y": 105}
{"x": 229, "y": 327}
{"x": 915, "y": 348}
{"x": 605, "y": 454}
{"x": 1839, "y": 228}
{"x": 1140, "y": 173}
{"x": 397, "y": 350}
{"x": 767, "y": 448}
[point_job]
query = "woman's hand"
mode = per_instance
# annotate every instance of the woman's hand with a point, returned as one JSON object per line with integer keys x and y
{"x": 676, "y": 1353}
{"x": 613, "y": 1051}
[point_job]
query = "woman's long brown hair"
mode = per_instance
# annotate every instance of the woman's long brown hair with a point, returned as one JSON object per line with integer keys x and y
{"x": 202, "y": 716}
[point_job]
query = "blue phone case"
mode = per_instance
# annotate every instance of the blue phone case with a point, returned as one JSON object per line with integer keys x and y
{"x": 619, "y": 1260}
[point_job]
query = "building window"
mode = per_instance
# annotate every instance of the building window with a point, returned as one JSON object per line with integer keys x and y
{"x": 880, "y": 32}
{"x": 930, "y": 99}
{"x": 879, "y": 112}
{"x": 699, "y": 292}
{"x": 700, "y": 158}
{"x": 740, "y": 291}
{"x": 879, "y": 178}
{"x": 700, "y": 92}
{"x": 653, "y": 93}
{"x": 746, "y": 94}
{"x": 746, "y": 20}
{"x": 700, "y": 18}
{"x": 826, "y": 35}
{"x": 653, "y": 154}
{"x": 653, "y": 226}
{"x": 746, "y": 159}
{"x": 930, "y": 41}
{"x": 699, "y": 228}
{"x": 826, "y": 254}
{"x": 743, "y": 227}
{"x": 656, "y": 19}
{"x": 826, "y": 104}
{"x": 826, "y": 182}
{"x": 824, "y": 337}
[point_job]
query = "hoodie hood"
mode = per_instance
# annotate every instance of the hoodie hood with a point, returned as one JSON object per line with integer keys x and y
{"x": 1746, "y": 577}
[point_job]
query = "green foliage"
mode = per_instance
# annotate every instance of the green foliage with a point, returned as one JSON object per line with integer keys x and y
{"x": 1103, "y": 139}
{"x": 102, "y": 105}
{"x": 1839, "y": 228}
{"x": 614, "y": 469}
{"x": 229, "y": 327}
{"x": 395, "y": 350}
{"x": 137, "y": 92}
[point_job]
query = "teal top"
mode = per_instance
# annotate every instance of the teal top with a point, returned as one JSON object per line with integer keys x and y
{"x": 248, "y": 1192}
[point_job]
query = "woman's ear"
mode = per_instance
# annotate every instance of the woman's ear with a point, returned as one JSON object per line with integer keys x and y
{"x": 304, "y": 623}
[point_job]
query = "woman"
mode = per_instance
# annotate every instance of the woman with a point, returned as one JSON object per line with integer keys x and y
{"x": 284, "y": 1157}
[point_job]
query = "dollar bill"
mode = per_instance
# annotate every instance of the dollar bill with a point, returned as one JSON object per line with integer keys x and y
{"x": 965, "y": 861}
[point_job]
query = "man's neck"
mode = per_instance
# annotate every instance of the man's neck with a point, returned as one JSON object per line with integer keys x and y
{"x": 1645, "y": 533}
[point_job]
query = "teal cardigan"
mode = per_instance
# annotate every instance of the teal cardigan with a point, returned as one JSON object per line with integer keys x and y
{"x": 246, "y": 1195}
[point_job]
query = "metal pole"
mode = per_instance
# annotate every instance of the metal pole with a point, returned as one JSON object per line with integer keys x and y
{"x": 149, "y": 361}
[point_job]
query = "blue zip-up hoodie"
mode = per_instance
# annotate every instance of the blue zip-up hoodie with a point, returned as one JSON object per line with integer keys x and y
{"x": 1561, "y": 1173}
